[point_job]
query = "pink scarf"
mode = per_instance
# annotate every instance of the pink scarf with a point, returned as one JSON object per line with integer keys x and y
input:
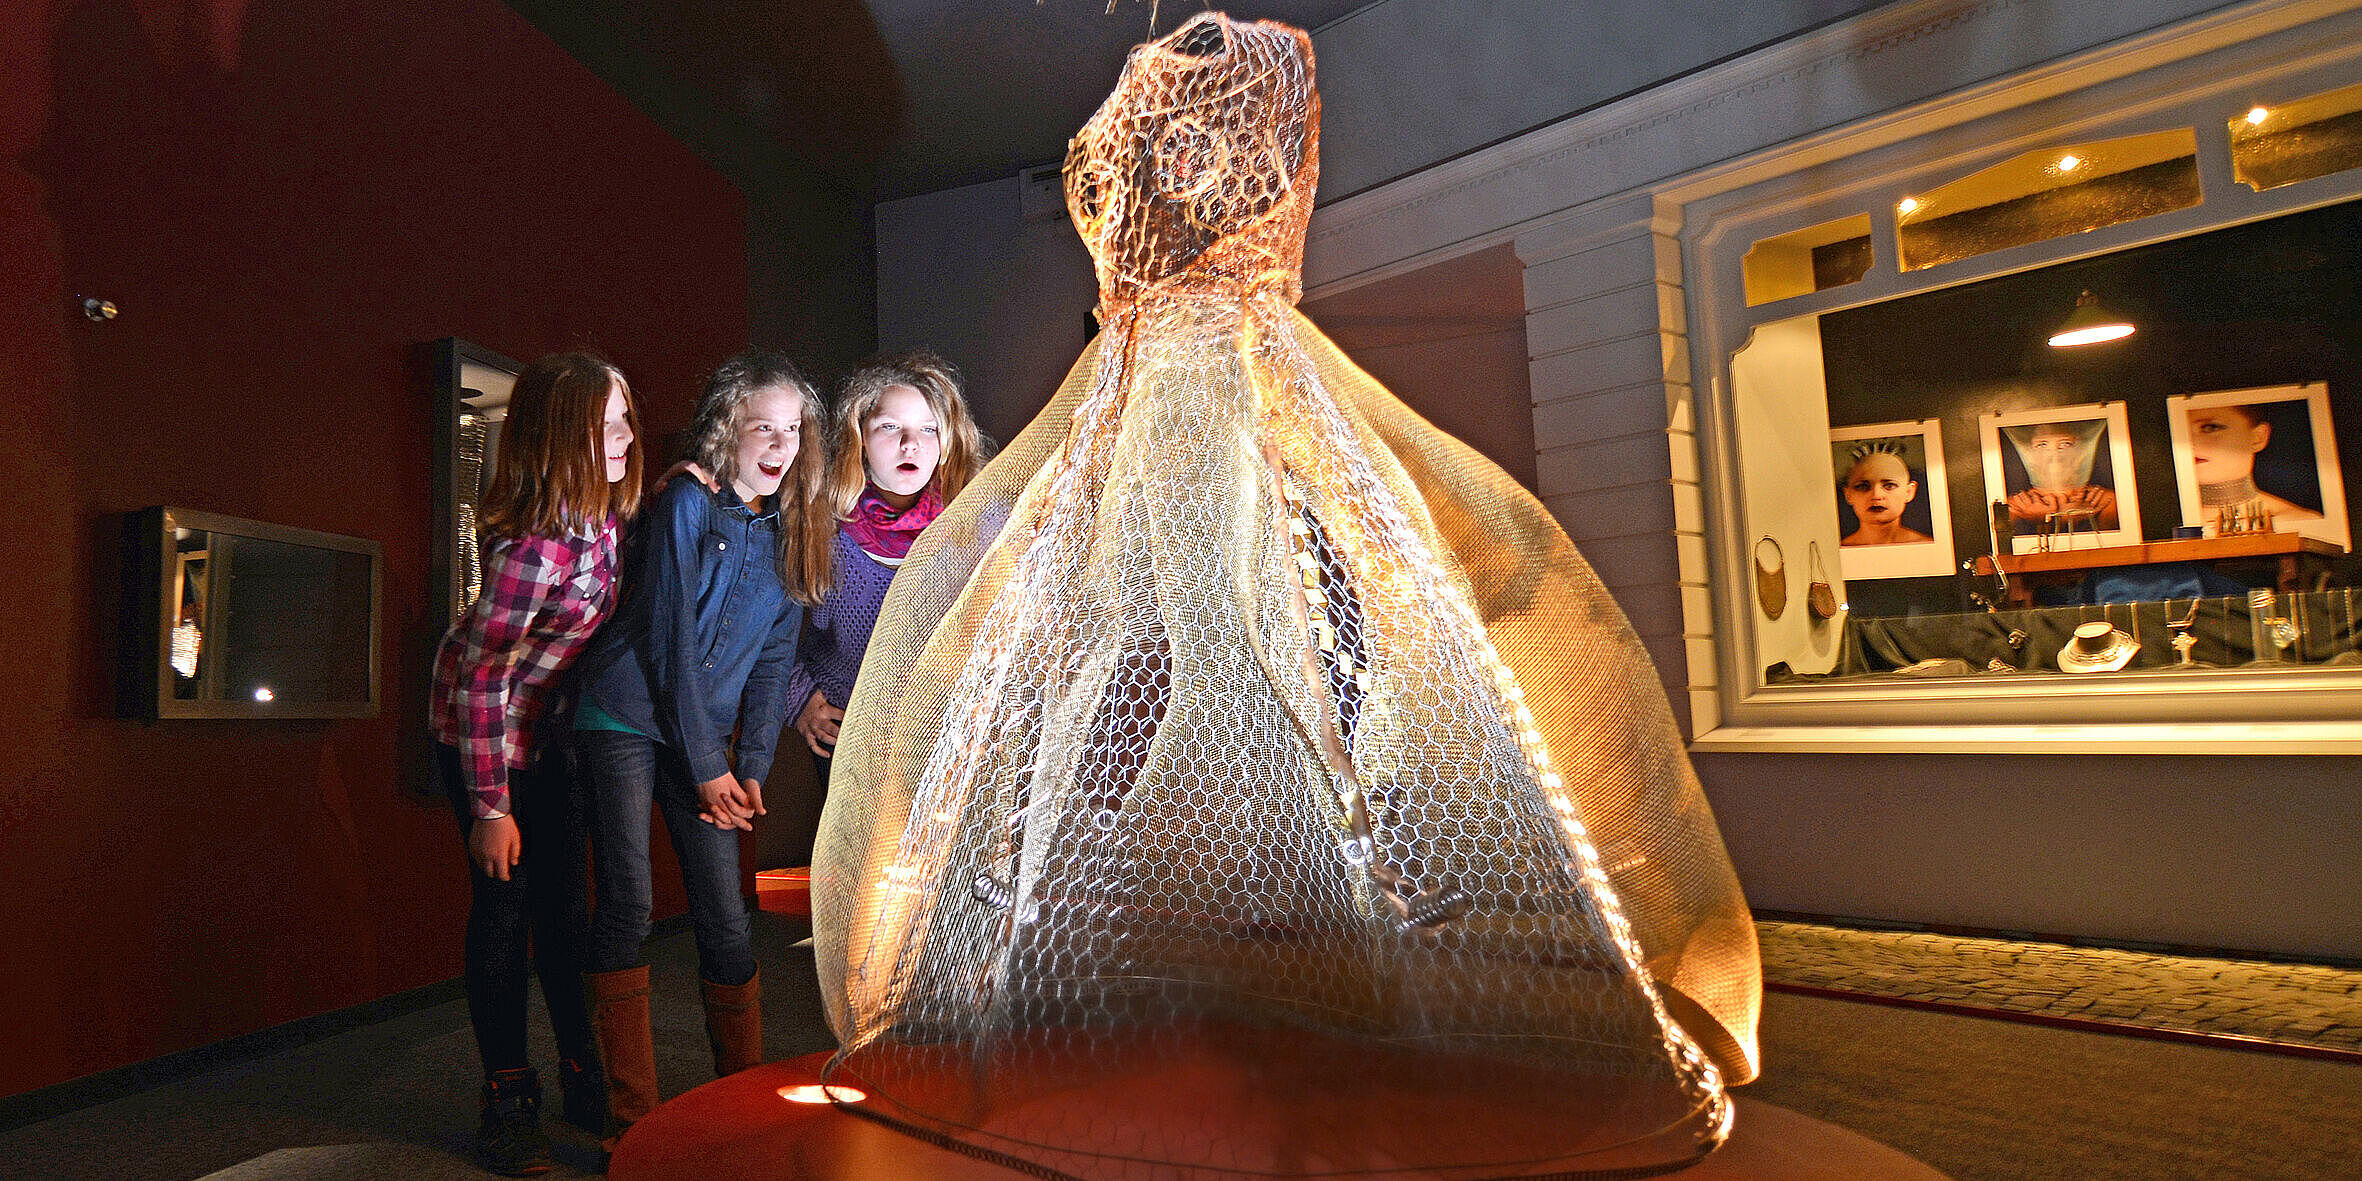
{"x": 887, "y": 531}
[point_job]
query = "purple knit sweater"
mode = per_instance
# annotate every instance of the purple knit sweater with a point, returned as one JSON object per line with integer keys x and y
{"x": 836, "y": 632}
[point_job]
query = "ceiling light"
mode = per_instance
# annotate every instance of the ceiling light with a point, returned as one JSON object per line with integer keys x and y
{"x": 2070, "y": 163}
{"x": 2256, "y": 116}
{"x": 2089, "y": 323}
{"x": 1909, "y": 205}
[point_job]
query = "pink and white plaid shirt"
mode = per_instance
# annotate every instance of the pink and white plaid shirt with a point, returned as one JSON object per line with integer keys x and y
{"x": 496, "y": 669}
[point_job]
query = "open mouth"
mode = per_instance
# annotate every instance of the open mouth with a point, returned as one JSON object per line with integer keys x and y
{"x": 907, "y": 466}
{"x": 771, "y": 471}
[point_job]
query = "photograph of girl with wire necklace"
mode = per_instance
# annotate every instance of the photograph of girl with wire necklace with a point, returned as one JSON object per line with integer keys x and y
{"x": 2066, "y": 474}
{"x": 2259, "y": 461}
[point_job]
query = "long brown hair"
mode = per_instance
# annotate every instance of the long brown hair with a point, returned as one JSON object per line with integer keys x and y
{"x": 806, "y": 527}
{"x": 939, "y": 383}
{"x": 551, "y": 474}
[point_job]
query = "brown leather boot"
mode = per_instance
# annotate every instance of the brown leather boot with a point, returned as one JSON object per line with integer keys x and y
{"x": 734, "y": 1022}
{"x": 619, "y": 1016}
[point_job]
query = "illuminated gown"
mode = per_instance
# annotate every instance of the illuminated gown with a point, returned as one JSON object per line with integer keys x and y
{"x": 1246, "y": 778}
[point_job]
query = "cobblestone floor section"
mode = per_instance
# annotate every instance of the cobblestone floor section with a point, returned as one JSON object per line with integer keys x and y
{"x": 2297, "y": 1004}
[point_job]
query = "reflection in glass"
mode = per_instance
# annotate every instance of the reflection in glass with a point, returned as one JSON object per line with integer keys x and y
{"x": 482, "y": 414}
{"x": 1815, "y": 258}
{"x": 2049, "y": 194}
{"x": 280, "y": 623}
{"x": 470, "y": 395}
{"x": 472, "y": 471}
{"x": 2275, "y": 146}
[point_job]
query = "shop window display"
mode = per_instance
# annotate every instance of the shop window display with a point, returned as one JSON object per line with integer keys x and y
{"x": 2118, "y": 299}
{"x": 2152, "y": 481}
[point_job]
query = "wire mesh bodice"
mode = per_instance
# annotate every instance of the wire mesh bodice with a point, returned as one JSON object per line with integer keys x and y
{"x": 1237, "y": 729}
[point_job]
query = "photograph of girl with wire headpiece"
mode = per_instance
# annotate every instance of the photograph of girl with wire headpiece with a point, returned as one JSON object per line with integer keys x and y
{"x": 2066, "y": 474}
{"x": 1893, "y": 517}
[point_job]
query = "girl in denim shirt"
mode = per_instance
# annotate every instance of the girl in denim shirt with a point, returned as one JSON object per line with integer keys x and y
{"x": 702, "y": 647}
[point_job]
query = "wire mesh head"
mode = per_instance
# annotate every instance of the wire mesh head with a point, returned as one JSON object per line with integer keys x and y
{"x": 1198, "y": 170}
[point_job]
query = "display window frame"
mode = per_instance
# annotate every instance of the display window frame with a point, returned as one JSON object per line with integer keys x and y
{"x": 1763, "y": 465}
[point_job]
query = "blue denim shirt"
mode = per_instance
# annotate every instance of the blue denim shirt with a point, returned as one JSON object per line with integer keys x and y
{"x": 706, "y": 636}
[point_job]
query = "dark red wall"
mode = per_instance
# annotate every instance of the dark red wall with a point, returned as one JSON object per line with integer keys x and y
{"x": 284, "y": 198}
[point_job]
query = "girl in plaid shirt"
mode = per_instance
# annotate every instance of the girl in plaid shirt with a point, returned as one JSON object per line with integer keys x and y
{"x": 568, "y": 472}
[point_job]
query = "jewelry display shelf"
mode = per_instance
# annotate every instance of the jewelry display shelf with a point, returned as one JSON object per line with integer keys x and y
{"x": 2302, "y": 562}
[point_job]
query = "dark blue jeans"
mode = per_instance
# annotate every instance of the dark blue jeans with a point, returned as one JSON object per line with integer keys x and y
{"x": 535, "y": 922}
{"x": 622, "y": 775}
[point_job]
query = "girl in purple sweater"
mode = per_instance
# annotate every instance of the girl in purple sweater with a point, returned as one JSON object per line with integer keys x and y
{"x": 902, "y": 446}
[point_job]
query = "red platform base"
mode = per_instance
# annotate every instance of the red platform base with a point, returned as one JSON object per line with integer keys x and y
{"x": 784, "y": 891}
{"x": 741, "y": 1128}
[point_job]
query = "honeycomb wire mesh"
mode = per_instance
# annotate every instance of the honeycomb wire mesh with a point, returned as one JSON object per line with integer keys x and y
{"x": 1238, "y": 736}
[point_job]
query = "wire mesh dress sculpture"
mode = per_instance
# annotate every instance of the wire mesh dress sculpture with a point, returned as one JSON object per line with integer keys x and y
{"x": 1246, "y": 778}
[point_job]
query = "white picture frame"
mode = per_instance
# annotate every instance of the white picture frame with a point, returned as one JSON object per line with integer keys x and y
{"x": 1927, "y": 518}
{"x": 2293, "y": 469}
{"x": 2079, "y": 492}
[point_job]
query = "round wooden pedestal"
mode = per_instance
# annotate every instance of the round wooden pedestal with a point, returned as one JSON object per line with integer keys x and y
{"x": 741, "y": 1128}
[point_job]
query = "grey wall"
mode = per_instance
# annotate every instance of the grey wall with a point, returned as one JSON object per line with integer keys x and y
{"x": 2254, "y": 853}
{"x": 1405, "y": 84}
{"x": 1449, "y": 340}
{"x": 1005, "y": 299}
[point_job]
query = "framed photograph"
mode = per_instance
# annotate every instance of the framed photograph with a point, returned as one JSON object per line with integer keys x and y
{"x": 1894, "y": 511}
{"x": 2065, "y": 473}
{"x": 2264, "y": 451}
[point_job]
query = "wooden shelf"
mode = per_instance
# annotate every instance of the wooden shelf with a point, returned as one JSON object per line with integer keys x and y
{"x": 2195, "y": 549}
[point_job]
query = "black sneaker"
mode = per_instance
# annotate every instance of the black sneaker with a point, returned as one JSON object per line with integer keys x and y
{"x": 583, "y": 1088}
{"x": 509, "y": 1140}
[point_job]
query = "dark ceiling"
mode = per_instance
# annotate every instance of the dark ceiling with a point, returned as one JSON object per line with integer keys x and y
{"x": 885, "y": 99}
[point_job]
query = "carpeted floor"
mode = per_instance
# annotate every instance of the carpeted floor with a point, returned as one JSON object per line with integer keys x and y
{"x": 393, "y": 1100}
{"x": 1983, "y": 1100}
{"x": 1988, "y": 1100}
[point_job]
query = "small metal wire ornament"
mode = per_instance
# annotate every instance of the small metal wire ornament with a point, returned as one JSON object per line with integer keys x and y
{"x": 2183, "y": 641}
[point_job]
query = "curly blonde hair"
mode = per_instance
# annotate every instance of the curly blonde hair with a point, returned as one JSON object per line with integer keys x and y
{"x": 806, "y": 524}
